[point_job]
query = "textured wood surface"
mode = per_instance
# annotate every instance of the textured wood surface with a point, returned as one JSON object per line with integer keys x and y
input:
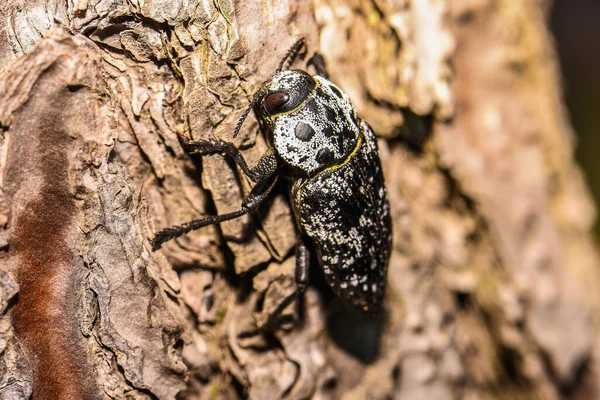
{"x": 493, "y": 280}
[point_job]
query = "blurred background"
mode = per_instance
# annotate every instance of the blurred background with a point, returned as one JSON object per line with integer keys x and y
{"x": 576, "y": 28}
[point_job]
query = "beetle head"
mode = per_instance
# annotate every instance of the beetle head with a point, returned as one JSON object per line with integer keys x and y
{"x": 276, "y": 100}
{"x": 286, "y": 92}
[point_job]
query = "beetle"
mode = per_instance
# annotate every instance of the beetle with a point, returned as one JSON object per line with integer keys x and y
{"x": 338, "y": 195}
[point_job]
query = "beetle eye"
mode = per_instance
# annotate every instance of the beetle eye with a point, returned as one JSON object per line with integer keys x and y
{"x": 274, "y": 101}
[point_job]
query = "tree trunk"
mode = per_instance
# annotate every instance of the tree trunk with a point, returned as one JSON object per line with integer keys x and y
{"x": 493, "y": 281}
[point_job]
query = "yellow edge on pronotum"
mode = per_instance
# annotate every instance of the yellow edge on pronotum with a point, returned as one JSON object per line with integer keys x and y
{"x": 341, "y": 164}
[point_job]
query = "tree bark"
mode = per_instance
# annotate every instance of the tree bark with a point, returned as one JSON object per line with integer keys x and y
{"x": 493, "y": 281}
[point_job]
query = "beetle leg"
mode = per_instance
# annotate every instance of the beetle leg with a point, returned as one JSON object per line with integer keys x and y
{"x": 318, "y": 62}
{"x": 301, "y": 276}
{"x": 258, "y": 194}
{"x": 302, "y": 264}
{"x": 267, "y": 165}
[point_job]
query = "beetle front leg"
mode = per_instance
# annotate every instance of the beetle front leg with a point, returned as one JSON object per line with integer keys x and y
{"x": 267, "y": 165}
{"x": 318, "y": 62}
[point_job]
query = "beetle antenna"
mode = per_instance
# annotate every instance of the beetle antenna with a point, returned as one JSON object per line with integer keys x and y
{"x": 258, "y": 96}
{"x": 291, "y": 54}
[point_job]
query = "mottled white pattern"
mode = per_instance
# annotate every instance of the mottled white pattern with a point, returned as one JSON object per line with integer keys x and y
{"x": 345, "y": 211}
{"x": 330, "y": 115}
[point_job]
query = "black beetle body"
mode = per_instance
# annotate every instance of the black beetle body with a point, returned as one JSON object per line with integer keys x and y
{"x": 338, "y": 194}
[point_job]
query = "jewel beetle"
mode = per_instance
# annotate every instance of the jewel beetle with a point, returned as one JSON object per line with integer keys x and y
{"x": 338, "y": 194}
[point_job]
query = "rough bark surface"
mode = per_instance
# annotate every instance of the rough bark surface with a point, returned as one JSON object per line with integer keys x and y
{"x": 493, "y": 281}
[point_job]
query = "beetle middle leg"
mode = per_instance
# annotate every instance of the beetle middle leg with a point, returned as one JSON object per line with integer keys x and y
{"x": 262, "y": 174}
{"x": 258, "y": 194}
